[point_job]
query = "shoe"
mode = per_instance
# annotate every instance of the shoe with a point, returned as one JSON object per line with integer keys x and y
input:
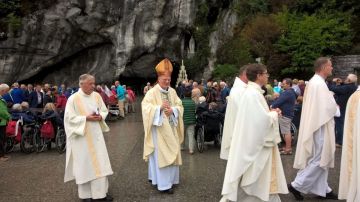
{"x": 296, "y": 193}
{"x": 331, "y": 195}
{"x": 191, "y": 152}
{"x": 168, "y": 191}
{"x": 4, "y": 158}
{"x": 107, "y": 198}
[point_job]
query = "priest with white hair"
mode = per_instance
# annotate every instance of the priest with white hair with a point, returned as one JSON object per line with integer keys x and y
{"x": 87, "y": 160}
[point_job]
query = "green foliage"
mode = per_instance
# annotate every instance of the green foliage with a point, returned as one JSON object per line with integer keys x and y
{"x": 307, "y": 37}
{"x": 14, "y": 21}
{"x": 9, "y": 6}
{"x": 201, "y": 33}
{"x": 225, "y": 72}
{"x": 235, "y": 51}
{"x": 248, "y": 8}
{"x": 10, "y": 15}
{"x": 261, "y": 32}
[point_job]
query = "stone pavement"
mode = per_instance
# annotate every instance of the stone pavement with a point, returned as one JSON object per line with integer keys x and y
{"x": 39, "y": 177}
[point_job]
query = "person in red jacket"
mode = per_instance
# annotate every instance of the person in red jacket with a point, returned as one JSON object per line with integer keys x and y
{"x": 61, "y": 101}
{"x": 131, "y": 99}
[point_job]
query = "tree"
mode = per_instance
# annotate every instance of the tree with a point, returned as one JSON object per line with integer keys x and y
{"x": 307, "y": 37}
{"x": 225, "y": 72}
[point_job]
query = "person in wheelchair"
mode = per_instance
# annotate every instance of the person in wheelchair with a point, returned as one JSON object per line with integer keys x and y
{"x": 17, "y": 113}
{"x": 201, "y": 107}
{"x": 50, "y": 113}
{"x": 212, "y": 121}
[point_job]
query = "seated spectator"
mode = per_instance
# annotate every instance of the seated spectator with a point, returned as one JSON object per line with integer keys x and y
{"x": 202, "y": 106}
{"x": 17, "y": 113}
{"x": 51, "y": 113}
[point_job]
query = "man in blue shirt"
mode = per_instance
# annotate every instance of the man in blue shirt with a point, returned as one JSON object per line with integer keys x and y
{"x": 120, "y": 91}
{"x": 342, "y": 95}
{"x": 286, "y": 103}
{"x": 16, "y": 95}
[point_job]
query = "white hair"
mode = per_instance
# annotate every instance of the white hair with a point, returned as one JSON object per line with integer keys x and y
{"x": 4, "y": 86}
{"x": 16, "y": 107}
{"x": 25, "y": 105}
{"x": 352, "y": 78}
{"x": 85, "y": 77}
{"x": 202, "y": 99}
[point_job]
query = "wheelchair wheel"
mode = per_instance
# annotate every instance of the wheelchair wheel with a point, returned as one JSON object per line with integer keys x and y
{"x": 9, "y": 144}
{"x": 218, "y": 137}
{"x": 39, "y": 142}
{"x": 294, "y": 134}
{"x": 60, "y": 141}
{"x": 200, "y": 139}
{"x": 27, "y": 140}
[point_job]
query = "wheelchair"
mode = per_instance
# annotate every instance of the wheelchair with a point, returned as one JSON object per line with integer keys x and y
{"x": 208, "y": 128}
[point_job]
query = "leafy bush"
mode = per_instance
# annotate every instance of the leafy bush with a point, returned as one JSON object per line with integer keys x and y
{"x": 225, "y": 72}
{"x": 307, "y": 37}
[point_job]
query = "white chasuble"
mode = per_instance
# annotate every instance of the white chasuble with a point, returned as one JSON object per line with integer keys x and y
{"x": 349, "y": 187}
{"x": 254, "y": 169}
{"x": 230, "y": 116}
{"x": 86, "y": 154}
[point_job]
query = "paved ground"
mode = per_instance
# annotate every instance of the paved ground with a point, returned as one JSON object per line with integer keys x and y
{"x": 39, "y": 177}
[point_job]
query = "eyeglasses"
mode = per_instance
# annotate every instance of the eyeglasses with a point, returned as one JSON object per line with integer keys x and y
{"x": 266, "y": 73}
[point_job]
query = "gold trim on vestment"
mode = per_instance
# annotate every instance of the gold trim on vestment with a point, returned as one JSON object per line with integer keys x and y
{"x": 274, "y": 183}
{"x": 89, "y": 138}
{"x": 350, "y": 133}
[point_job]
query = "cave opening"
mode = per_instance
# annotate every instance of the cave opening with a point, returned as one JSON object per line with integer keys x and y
{"x": 137, "y": 84}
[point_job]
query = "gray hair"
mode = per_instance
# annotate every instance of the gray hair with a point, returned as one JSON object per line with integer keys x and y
{"x": 16, "y": 107}
{"x": 85, "y": 77}
{"x": 4, "y": 86}
{"x": 352, "y": 78}
{"x": 25, "y": 105}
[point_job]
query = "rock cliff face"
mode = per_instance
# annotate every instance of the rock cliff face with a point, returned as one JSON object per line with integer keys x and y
{"x": 103, "y": 37}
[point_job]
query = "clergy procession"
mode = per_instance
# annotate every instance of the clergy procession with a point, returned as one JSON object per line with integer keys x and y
{"x": 256, "y": 132}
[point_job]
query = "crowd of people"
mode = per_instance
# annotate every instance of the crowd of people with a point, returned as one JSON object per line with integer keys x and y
{"x": 256, "y": 116}
{"x": 47, "y": 102}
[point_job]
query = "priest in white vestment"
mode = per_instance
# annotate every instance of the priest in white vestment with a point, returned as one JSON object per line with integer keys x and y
{"x": 162, "y": 114}
{"x": 87, "y": 160}
{"x": 315, "y": 151}
{"x": 254, "y": 172}
{"x": 349, "y": 187}
{"x": 232, "y": 111}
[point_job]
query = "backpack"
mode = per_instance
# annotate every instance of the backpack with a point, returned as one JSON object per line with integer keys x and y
{"x": 11, "y": 129}
{"x": 47, "y": 130}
